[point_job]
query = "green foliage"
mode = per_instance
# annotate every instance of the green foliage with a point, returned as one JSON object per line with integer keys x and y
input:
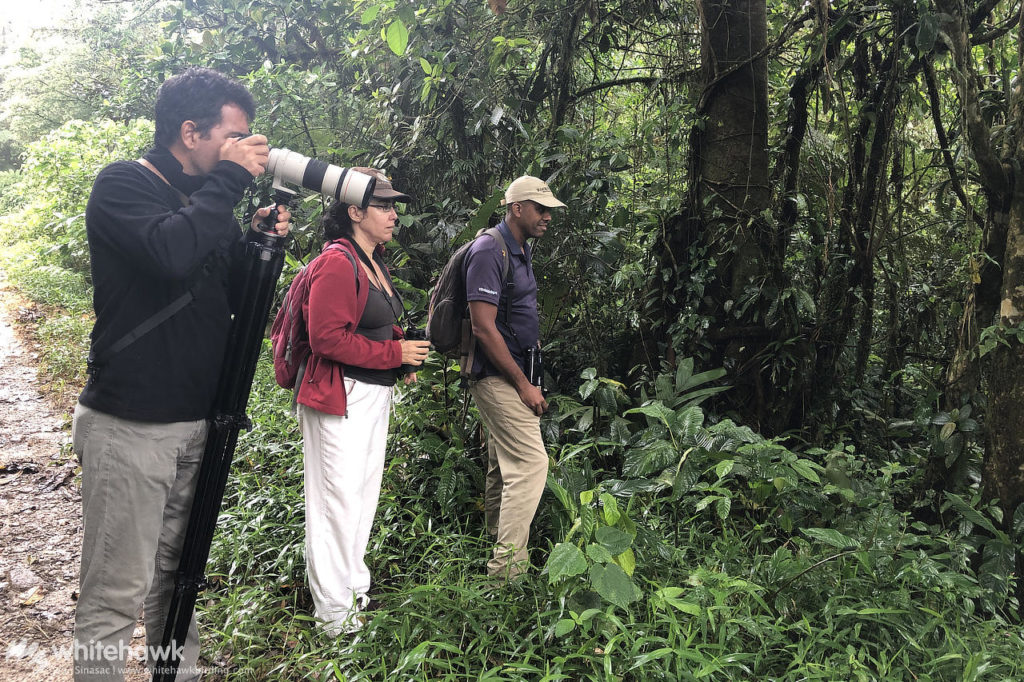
{"x": 637, "y": 577}
{"x": 676, "y": 540}
{"x": 89, "y": 63}
{"x": 48, "y": 260}
{"x": 57, "y": 176}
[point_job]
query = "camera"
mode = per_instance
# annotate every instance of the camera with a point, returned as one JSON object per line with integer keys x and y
{"x": 412, "y": 334}
{"x": 534, "y": 369}
{"x": 344, "y": 184}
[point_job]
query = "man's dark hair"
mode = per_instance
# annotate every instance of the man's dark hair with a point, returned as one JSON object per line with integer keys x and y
{"x": 336, "y": 222}
{"x": 197, "y": 94}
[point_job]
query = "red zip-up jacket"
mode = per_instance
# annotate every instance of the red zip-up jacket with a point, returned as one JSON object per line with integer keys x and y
{"x": 332, "y": 314}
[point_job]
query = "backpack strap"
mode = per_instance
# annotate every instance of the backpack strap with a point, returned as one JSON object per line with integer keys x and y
{"x": 507, "y": 277}
{"x": 351, "y": 259}
{"x": 468, "y": 339}
{"x": 290, "y": 300}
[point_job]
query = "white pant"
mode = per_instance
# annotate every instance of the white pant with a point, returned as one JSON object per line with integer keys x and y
{"x": 343, "y": 466}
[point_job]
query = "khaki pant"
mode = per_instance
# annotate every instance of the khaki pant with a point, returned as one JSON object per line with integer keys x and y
{"x": 138, "y": 479}
{"x": 517, "y": 468}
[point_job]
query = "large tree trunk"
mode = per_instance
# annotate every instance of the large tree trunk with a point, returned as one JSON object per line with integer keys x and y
{"x": 996, "y": 155}
{"x": 730, "y": 183}
{"x": 1004, "y": 456}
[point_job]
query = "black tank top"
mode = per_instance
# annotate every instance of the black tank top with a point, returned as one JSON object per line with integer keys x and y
{"x": 380, "y": 314}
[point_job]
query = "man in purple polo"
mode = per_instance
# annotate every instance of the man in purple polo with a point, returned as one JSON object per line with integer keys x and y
{"x": 505, "y": 327}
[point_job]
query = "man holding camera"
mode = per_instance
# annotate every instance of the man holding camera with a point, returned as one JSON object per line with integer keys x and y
{"x": 162, "y": 236}
{"x": 506, "y": 324}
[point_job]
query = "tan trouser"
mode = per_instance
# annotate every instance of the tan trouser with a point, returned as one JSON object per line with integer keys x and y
{"x": 138, "y": 480}
{"x": 517, "y": 468}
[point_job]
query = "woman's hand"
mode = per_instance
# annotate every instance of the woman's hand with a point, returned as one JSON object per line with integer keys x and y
{"x": 410, "y": 378}
{"x": 414, "y": 352}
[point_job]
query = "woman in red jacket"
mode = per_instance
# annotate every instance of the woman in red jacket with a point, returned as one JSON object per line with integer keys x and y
{"x": 344, "y": 401}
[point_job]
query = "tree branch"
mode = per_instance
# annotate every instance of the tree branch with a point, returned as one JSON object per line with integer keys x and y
{"x": 940, "y": 132}
{"x": 633, "y": 80}
{"x": 993, "y": 175}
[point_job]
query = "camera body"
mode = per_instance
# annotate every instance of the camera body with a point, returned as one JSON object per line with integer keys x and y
{"x": 344, "y": 184}
{"x": 412, "y": 334}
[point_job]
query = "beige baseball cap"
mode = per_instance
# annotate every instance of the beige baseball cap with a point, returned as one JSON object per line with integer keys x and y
{"x": 529, "y": 188}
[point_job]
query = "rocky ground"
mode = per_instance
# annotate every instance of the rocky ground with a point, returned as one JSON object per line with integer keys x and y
{"x": 40, "y": 514}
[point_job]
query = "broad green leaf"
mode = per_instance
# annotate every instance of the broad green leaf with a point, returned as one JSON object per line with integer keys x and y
{"x": 657, "y": 654}
{"x": 425, "y": 65}
{"x": 604, "y": 398}
{"x": 565, "y": 560}
{"x": 611, "y": 509}
{"x": 973, "y": 515}
{"x": 686, "y": 422}
{"x": 703, "y": 378}
{"x": 655, "y": 410}
{"x": 722, "y": 507}
{"x": 562, "y": 495}
{"x": 588, "y": 521}
{"x": 564, "y": 627}
{"x": 683, "y": 373}
{"x": 705, "y": 501}
{"x": 689, "y": 474}
{"x": 664, "y": 388}
{"x": 614, "y": 540}
{"x": 698, "y": 396}
{"x": 599, "y": 553}
{"x": 612, "y": 583}
{"x": 627, "y": 560}
{"x": 805, "y": 301}
{"x": 369, "y": 14}
{"x": 588, "y": 387}
{"x": 650, "y": 459}
{"x": 998, "y": 559}
{"x": 397, "y": 37}
{"x": 831, "y": 536}
{"x": 483, "y": 215}
{"x": 806, "y": 469}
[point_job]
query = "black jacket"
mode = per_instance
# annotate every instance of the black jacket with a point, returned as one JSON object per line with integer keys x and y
{"x": 146, "y": 250}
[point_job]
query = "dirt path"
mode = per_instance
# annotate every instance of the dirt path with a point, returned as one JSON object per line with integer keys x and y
{"x": 40, "y": 516}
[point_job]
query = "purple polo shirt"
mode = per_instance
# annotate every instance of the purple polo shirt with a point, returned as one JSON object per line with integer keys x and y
{"x": 484, "y": 264}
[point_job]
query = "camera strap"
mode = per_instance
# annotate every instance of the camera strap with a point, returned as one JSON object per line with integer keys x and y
{"x": 98, "y": 358}
{"x": 368, "y": 261}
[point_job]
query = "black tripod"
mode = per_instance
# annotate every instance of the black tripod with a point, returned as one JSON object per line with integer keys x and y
{"x": 254, "y": 278}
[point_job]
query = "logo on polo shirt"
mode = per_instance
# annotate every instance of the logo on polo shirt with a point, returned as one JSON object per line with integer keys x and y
{"x": 488, "y": 291}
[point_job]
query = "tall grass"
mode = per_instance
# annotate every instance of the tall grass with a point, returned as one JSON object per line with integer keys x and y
{"x": 869, "y": 595}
